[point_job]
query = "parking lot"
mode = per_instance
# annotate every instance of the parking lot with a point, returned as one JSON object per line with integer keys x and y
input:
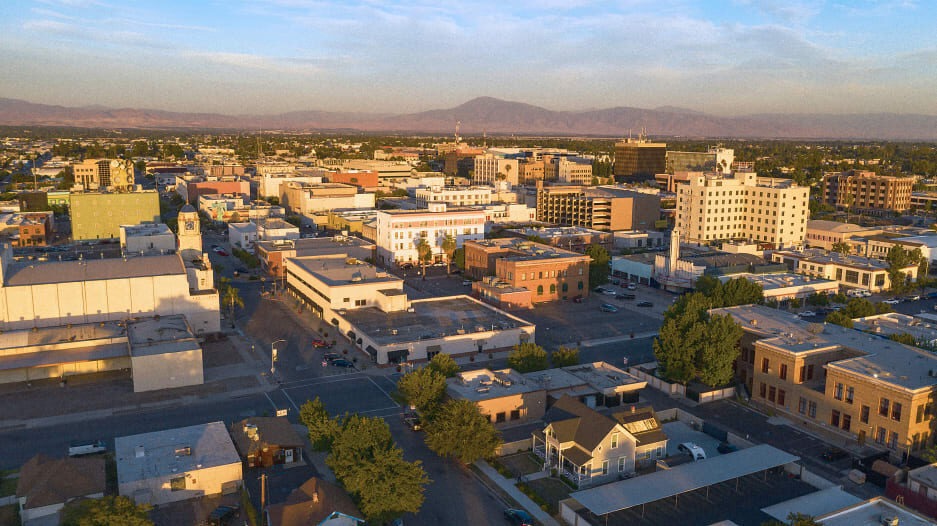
{"x": 344, "y": 393}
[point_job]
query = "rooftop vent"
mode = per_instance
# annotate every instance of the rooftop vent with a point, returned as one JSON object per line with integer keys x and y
{"x": 183, "y": 451}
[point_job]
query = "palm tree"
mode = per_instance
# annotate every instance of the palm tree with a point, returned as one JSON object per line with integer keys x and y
{"x": 424, "y": 253}
{"x": 232, "y": 298}
{"x": 448, "y": 246}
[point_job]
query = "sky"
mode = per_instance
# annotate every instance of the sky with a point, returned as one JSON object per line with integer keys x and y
{"x": 724, "y": 57}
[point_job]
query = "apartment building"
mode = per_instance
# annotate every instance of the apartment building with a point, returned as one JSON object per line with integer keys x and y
{"x": 843, "y": 382}
{"x": 867, "y": 191}
{"x": 824, "y": 234}
{"x": 454, "y": 195}
{"x": 95, "y": 174}
{"x": 547, "y": 273}
{"x": 398, "y": 231}
{"x": 530, "y": 171}
{"x": 567, "y": 170}
{"x": 850, "y": 271}
{"x": 602, "y": 208}
{"x": 639, "y": 158}
{"x": 490, "y": 168}
{"x": 713, "y": 207}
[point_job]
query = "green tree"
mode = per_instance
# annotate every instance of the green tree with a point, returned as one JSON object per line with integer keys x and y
{"x": 444, "y": 364}
{"x": 140, "y": 149}
{"x": 737, "y": 291}
{"x": 598, "y": 267}
{"x": 448, "y": 247}
{"x": 565, "y": 356}
{"x": 106, "y": 511}
{"x": 899, "y": 259}
{"x": 458, "y": 258}
{"x": 528, "y": 357}
{"x": 424, "y": 252}
{"x": 839, "y": 318}
{"x": 841, "y": 247}
{"x": 322, "y": 429}
{"x": 423, "y": 388}
{"x": 232, "y": 299}
{"x": 903, "y": 337}
{"x": 720, "y": 348}
{"x": 459, "y": 430}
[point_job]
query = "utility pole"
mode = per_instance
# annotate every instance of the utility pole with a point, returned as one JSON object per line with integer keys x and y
{"x": 263, "y": 492}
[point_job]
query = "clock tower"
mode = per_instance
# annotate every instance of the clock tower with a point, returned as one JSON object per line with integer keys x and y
{"x": 190, "y": 234}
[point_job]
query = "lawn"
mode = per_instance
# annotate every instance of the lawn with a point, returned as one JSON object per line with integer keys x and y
{"x": 521, "y": 463}
{"x": 7, "y": 485}
{"x": 550, "y": 490}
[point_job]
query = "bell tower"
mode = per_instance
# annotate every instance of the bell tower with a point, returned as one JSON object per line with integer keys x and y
{"x": 190, "y": 234}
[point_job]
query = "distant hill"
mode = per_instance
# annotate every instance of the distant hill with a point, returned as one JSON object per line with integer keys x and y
{"x": 487, "y": 114}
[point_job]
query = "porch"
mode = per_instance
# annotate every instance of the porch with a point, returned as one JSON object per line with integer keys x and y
{"x": 572, "y": 462}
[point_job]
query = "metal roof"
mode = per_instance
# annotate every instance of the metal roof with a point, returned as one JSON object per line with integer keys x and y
{"x": 626, "y": 494}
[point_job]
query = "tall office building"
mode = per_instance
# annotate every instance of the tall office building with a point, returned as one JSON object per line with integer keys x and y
{"x": 867, "y": 191}
{"x": 639, "y": 158}
{"x": 490, "y": 169}
{"x": 94, "y": 174}
{"x": 715, "y": 207}
{"x": 598, "y": 208}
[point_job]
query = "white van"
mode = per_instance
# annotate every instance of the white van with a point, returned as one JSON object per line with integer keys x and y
{"x": 77, "y": 449}
{"x": 693, "y": 450}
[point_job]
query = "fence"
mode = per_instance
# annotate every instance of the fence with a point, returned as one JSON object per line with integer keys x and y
{"x": 508, "y": 448}
{"x": 658, "y": 383}
{"x": 916, "y": 501}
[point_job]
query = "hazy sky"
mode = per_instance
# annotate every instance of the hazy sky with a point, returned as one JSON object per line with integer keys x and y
{"x": 261, "y": 56}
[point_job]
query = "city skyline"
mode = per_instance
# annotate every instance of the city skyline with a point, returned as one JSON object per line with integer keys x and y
{"x": 720, "y": 57}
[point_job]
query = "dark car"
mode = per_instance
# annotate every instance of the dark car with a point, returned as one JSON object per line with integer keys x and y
{"x": 341, "y": 362}
{"x": 222, "y": 515}
{"x": 833, "y": 454}
{"x": 330, "y": 356}
{"x": 518, "y": 517}
{"x": 412, "y": 420}
{"x": 624, "y": 296}
{"x": 725, "y": 447}
{"x": 644, "y": 304}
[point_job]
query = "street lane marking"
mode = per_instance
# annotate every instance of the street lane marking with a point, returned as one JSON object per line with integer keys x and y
{"x": 271, "y": 401}
{"x": 314, "y": 384}
{"x": 383, "y": 391}
{"x": 287, "y": 395}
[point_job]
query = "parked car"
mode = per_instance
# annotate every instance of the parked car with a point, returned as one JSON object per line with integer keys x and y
{"x": 331, "y": 356}
{"x": 221, "y": 253}
{"x": 518, "y": 517}
{"x": 412, "y": 419}
{"x": 466, "y": 283}
{"x": 603, "y": 290}
{"x": 341, "y": 362}
{"x": 644, "y": 304}
{"x": 321, "y": 344}
{"x": 693, "y": 450}
{"x": 632, "y": 286}
{"x": 725, "y": 447}
{"x": 892, "y": 301}
{"x": 222, "y": 515}
{"x": 624, "y": 296}
{"x": 807, "y": 314}
{"x": 913, "y": 297}
{"x": 833, "y": 454}
{"x": 77, "y": 449}
{"x": 608, "y": 307}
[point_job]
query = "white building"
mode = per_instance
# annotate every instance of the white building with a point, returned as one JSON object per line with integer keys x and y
{"x": 177, "y": 464}
{"x": 454, "y": 195}
{"x": 147, "y": 238}
{"x": 398, "y": 231}
{"x": 269, "y": 185}
{"x": 712, "y": 207}
{"x": 274, "y": 229}
{"x": 242, "y": 235}
{"x": 491, "y": 168}
{"x": 507, "y": 213}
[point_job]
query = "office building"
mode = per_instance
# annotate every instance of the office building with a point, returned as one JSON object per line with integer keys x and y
{"x": 100, "y": 215}
{"x": 104, "y": 174}
{"x": 306, "y": 199}
{"x": 714, "y": 207}
{"x": 399, "y": 231}
{"x": 715, "y": 159}
{"x": 850, "y": 271}
{"x": 824, "y": 234}
{"x": 567, "y": 170}
{"x": 867, "y": 192}
{"x": 605, "y": 208}
{"x": 454, "y": 195}
{"x": 490, "y": 168}
{"x": 274, "y": 254}
{"x": 639, "y": 158}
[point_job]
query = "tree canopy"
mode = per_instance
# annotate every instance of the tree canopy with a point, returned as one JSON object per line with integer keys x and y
{"x": 322, "y": 429}
{"x": 528, "y": 357}
{"x": 106, "y": 511}
{"x": 736, "y": 291}
{"x": 598, "y": 267}
{"x": 459, "y": 430}
{"x": 444, "y": 364}
{"x": 565, "y": 356}
{"x": 423, "y": 388}
{"x": 899, "y": 259}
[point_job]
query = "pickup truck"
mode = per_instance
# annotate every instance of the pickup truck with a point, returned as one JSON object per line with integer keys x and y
{"x": 77, "y": 449}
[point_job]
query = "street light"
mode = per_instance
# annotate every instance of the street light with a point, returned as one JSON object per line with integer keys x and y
{"x": 273, "y": 356}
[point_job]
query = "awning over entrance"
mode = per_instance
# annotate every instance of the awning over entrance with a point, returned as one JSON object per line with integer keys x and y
{"x": 398, "y": 356}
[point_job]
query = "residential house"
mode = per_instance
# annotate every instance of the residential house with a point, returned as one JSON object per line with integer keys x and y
{"x": 315, "y": 503}
{"x": 264, "y": 441}
{"x": 46, "y": 485}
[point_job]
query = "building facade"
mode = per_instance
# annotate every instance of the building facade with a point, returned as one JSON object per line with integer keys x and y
{"x": 867, "y": 191}
{"x": 490, "y": 169}
{"x": 399, "y": 231}
{"x": 850, "y": 271}
{"x": 713, "y": 207}
{"x": 639, "y": 158}
{"x": 597, "y": 208}
{"x": 454, "y": 195}
{"x": 100, "y": 215}
{"x": 100, "y": 174}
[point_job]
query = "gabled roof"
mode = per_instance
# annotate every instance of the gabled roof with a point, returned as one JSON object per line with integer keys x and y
{"x": 574, "y": 422}
{"x": 44, "y": 480}
{"x": 311, "y": 504}
{"x": 643, "y": 424}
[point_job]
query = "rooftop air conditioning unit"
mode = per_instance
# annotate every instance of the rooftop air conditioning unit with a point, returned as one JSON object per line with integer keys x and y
{"x": 889, "y": 520}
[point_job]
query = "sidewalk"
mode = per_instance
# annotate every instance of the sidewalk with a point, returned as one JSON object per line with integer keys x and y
{"x": 508, "y": 487}
{"x": 620, "y": 338}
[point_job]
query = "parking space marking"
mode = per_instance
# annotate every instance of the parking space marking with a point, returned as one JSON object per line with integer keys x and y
{"x": 383, "y": 391}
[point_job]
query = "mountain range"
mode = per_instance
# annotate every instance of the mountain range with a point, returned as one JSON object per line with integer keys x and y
{"x": 495, "y": 116}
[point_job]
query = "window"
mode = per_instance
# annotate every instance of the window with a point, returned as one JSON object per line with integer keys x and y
{"x": 565, "y": 287}
{"x": 540, "y": 290}
{"x": 810, "y": 372}
{"x": 802, "y": 406}
{"x": 883, "y": 405}
{"x": 579, "y": 285}
{"x": 177, "y": 484}
{"x": 771, "y": 393}
{"x": 621, "y": 464}
{"x": 864, "y": 414}
{"x": 803, "y": 373}
{"x": 614, "y": 440}
{"x": 783, "y": 371}
{"x": 812, "y": 410}
{"x": 880, "y": 436}
{"x": 850, "y": 392}
{"x": 764, "y": 365}
{"x": 361, "y": 303}
{"x": 552, "y": 288}
{"x": 605, "y": 467}
{"x": 893, "y": 440}
{"x": 920, "y": 414}
{"x": 838, "y": 391}
{"x": 499, "y": 417}
{"x": 763, "y": 390}
{"x": 896, "y": 411}
{"x": 847, "y": 422}
{"x": 834, "y": 418}
{"x": 781, "y": 396}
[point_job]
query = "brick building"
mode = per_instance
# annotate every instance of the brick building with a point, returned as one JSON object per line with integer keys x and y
{"x": 867, "y": 191}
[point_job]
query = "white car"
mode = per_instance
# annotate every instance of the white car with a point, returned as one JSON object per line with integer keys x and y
{"x": 893, "y": 301}
{"x": 807, "y": 313}
{"x": 693, "y": 450}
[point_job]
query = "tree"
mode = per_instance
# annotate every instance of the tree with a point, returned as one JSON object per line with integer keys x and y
{"x": 459, "y": 430}
{"x": 369, "y": 465}
{"x": 899, "y": 259}
{"x": 424, "y": 252}
{"x": 527, "y": 357}
{"x": 106, "y": 511}
{"x": 444, "y": 365}
{"x": 841, "y": 247}
{"x": 423, "y": 388}
{"x": 565, "y": 356}
{"x": 737, "y": 291}
{"x": 720, "y": 348}
{"x": 839, "y": 318}
{"x": 459, "y": 258}
{"x": 232, "y": 299}
{"x": 322, "y": 429}
{"x": 903, "y": 337}
{"x": 448, "y": 247}
{"x": 598, "y": 267}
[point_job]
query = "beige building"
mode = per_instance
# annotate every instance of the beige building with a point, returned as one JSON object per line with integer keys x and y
{"x": 100, "y": 215}
{"x": 824, "y": 234}
{"x": 530, "y": 171}
{"x": 714, "y": 207}
{"x": 147, "y": 238}
{"x": 306, "y": 199}
{"x": 490, "y": 169}
{"x": 399, "y": 231}
{"x": 845, "y": 383}
{"x": 105, "y": 174}
{"x": 567, "y": 171}
{"x": 639, "y": 158}
{"x": 454, "y": 195}
{"x": 273, "y": 254}
{"x": 177, "y": 464}
{"x": 867, "y": 191}
{"x": 604, "y": 208}
{"x": 850, "y": 271}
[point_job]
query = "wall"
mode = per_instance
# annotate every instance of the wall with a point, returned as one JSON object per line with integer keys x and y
{"x": 163, "y": 371}
{"x": 208, "y": 481}
{"x": 99, "y": 216}
{"x": 165, "y": 243}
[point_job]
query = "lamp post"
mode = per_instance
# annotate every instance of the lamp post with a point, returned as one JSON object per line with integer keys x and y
{"x": 273, "y": 356}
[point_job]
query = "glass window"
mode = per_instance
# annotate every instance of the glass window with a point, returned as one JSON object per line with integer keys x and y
{"x": 896, "y": 411}
{"x": 771, "y": 393}
{"x": 880, "y": 436}
{"x": 605, "y": 467}
{"x": 783, "y": 371}
{"x": 614, "y": 440}
{"x": 850, "y": 392}
{"x": 802, "y": 405}
{"x": 621, "y": 464}
{"x": 883, "y": 405}
{"x": 540, "y": 290}
{"x": 764, "y": 365}
{"x": 893, "y": 440}
{"x": 864, "y": 414}
{"x": 847, "y": 422}
{"x": 838, "y": 391}
{"x": 177, "y": 484}
{"x": 812, "y": 410}
{"x": 834, "y": 418}
{"x": 763, "y": 390}
{"x": 781, "y": 396}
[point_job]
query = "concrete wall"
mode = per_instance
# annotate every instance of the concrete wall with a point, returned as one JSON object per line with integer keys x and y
{"x": 30, "y": 374}
{"x": 163, "y": 371}
{"x": 99, "y": 216}
{"x": 200, "y": 482}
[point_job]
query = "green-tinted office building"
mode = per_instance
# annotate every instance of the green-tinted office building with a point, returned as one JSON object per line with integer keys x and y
{"x": 99, "y": 215}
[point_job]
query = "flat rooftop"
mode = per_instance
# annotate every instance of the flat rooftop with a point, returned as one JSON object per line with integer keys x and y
{"x": 896, "y": 323}
{"x": 486, "y": 384}
{"x": 836, "y": 226}
{"x": 870, "y": 513}
{"x": 882, "y": 359}
{"x": 314, "y": 245}
{"x": 163, "y": 335}
{"x": 147, "y": 229}
{"x": 61, "y": 334}
{"x": 341, "y": 270}
{"x": 157, "y": 454}
{"x": 431, "y": 319}
{"x": 826, "y": 258}
{"x": 782, "y": 280}
{"x": 24, "y": 273}
{"x": 927, "y": 475}
{"x": 557, "y": 232}
{"x": 523, "y": 250}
